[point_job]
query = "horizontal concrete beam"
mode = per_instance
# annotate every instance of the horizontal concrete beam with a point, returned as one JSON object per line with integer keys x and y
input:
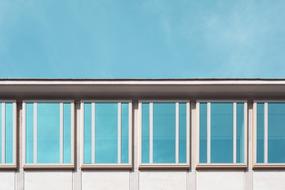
{"x": 138, "y": 88}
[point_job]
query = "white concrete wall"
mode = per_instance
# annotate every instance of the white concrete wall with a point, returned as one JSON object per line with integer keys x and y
{"x": 48, "y": 180}
{"x": 147, "y": 180}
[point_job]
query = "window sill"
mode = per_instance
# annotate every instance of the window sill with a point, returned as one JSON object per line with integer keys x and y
{"x": 8, "y": 166}
{"x": 269, "y": 166}
{"x": 48, "y": 166}
{"x": 106, "y": 166}
{"x": 221, "y": 167}
{"x": 164, "y": 167}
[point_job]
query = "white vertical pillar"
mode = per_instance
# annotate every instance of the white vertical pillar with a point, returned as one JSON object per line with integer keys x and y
{"x": 3, "y": 136}
{"x": 23, "y": 134}
{"x": 93, "y": 110}
{"x": 14, "y": 131}
{"x": 72, "y": 132}
{"x": 61, "y": 137}
{"x": 197, "y": 142}
{"x": 80, "y": 131}
{"x": 130, "y": 129}
{"x": 151, "y": 132}
{"x": 77, "y": 174}
{"x": 234, "y": 132}
{"x": 245, "y": 132}
{"x": 266, "y": 132}
{"x": 208, "y": 132}
{"x": 177, "y": 132}
{"x": 119, "y": 131}
{"x": 35, "y": 133}
{"x": 134, "y": 174}
{"x": 188, "y": 132}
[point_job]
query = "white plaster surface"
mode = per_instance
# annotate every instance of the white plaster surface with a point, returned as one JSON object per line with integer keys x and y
{"x": 43, "y": 180}
{"x": 269, "y": 180}
{"x": 168, "y": 180}
{"x": 220, "y": 180}
{"x": 7, "y": 180}
{"x": 102, "y": 180}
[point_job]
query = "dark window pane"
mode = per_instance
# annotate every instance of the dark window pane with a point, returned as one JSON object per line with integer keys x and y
{"x": 106, "y": 131}
{"x": 203, "y": 133}
{"x": 221, "y": 132}
{"x": 260, "y": 132}
{"x": 276, "y": 132}
{"x": 145, "y": 132}
{"x": 164, "y": 132}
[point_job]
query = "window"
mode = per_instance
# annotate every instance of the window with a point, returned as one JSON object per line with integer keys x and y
{"x": 270, "y": 132}
{"x": 164, "y": 133}
{"x": 7, "y": 134}
{"x": 107, "y": 133}
{"x": 222, "y": 132}
{"x": 48, "y": 133}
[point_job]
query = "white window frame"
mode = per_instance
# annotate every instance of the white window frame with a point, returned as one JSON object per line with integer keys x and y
{"x": 175, "y": 165}
{"x": 12, "y": 165}
{"x": 264, "y": 165}
{"x": 233, "y": 165}
{"x": 60, "y": 165}
{"x": 117, "y": 165}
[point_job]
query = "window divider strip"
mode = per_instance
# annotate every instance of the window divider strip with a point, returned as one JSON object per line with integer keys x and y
{"x": 130, "y": 133}
{"x": 35, "y": 132}
{"x": 72, "y": 139}
{"x": 14, "y": 131}
{"x": 61, "y": 136}
{"x": 151, "y": 132}
{"x": 245, "y": 133}
{"x": 23, "y": 128}
{"x": 208, "y": 132}
{"x": 93, "y": 152}
{"x": 266, "y": 132}
{"x": 177, "y": 132}
{"x": 119, "y": 131}
{"x": 234, "y": 132}
{"x": 187, "y": 131}
{"x": 3, "y": 131}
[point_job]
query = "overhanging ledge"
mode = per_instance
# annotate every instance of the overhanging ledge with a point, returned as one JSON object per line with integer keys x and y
{"x": 143, "y": 88}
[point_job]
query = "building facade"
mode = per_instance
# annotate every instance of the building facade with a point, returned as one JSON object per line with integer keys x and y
{"x": 127, "y": 134}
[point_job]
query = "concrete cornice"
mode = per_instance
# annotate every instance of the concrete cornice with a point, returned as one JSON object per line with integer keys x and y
{"x": 143, "y": 88}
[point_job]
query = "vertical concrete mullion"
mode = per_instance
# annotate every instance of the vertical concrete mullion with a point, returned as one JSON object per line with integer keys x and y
{"x": 136, "y": 122}
{"x": 77, "y": 174}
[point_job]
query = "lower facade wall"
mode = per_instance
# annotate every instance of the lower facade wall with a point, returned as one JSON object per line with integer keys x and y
{"x": 146, "y": 180}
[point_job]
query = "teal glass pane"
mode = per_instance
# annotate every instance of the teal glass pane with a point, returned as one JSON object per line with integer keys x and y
{"x": 67, "y": 133}
{"x": 106, "y": 131}
{"x": 87, "y": 133}
{"x": 29, "y": 132}
{"x": 9, "y": 133}
{"x": 164, "y": 132}
{"x": 276, "y": 132}
{"x": 182, "y": 132}
{"x": 48, "y": 133}
{"x": 260, "y": 133}
{"x": 125, "y": 133}
{"x": 240, "y": 133}
{"x": 221, "y": 132}
{"x": 145, "y": 132}
{"x": 203, "y": 133}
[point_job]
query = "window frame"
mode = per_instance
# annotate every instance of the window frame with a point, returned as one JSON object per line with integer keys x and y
{"x": 14, "y": 164}
{"x": 119, "y": 166}
{"x": 234, "y": 165}
{"x": 70, "y": 165}
{"x": 265, "y": 165}
{"x": 175, "y": 165}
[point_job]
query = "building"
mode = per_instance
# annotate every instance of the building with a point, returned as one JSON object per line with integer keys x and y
{"x": 128, "y": 134}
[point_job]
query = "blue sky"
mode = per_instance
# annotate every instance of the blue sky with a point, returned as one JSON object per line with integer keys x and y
{"x": 142, "y": 38}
